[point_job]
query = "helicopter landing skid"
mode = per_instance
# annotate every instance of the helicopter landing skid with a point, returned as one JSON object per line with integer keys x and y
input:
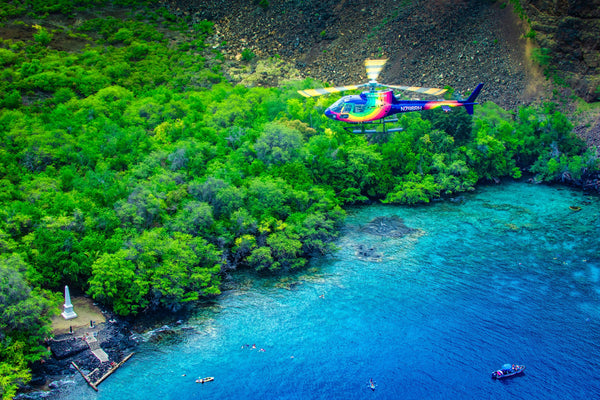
{"x": 364, "y": 129}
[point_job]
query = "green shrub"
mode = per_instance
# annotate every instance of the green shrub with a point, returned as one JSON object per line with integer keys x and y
{"x": 204, "y": 27}
{"x": 123, "y": 35}
{"x": 137, "y": 51}
{"x": 49, "y": 81}
{"x": 105, "y": 27}
{"x": 248, "y": 55}
{"x": 42, "y": 37}
{"x": 6, "y": 57}
{"x": 118, "y": 70}
{"x": 63, "y": 95}
{"x": 31, "y": 68}
{"x": 518, "y": 8}
{"x": 415, "y": 190}
{"x": 542, "y": 56}
{"x": 11, "y": 100}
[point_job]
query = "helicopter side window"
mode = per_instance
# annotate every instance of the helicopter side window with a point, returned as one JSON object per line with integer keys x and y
{"x": 359, "y": 108}
{"x": 348, "y": 108}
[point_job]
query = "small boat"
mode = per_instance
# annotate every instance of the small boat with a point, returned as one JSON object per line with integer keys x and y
{"x": 204, "y": 380}
{"x": 507, "y": 371}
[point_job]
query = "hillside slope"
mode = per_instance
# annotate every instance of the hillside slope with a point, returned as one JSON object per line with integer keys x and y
{"x": 428, "y": 43}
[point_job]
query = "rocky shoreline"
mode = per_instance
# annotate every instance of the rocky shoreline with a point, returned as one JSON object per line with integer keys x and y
{"x": 114, "y": 337}
{"x": 118, "y": 338}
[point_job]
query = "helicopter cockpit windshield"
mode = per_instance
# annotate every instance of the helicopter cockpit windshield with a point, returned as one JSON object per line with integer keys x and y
{"x": 338, "y": 105}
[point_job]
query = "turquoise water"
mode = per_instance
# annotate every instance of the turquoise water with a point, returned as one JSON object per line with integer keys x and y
{"x": 508, "y": 274}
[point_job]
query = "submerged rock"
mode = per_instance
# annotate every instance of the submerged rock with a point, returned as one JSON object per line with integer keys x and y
{"x": 160, "y": 333}
{"x": 371, "y": 253}
{"x": 392, "y": 226}
{"x": 40, "y": 394}
{"x": 61, "y": 382}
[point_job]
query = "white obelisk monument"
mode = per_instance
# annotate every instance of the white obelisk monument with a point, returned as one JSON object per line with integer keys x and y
{"x": 68, "y": 313}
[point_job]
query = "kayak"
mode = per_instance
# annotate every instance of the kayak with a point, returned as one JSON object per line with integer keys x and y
{"x": 203, "y": 380}
{"x": 372, "y": 384}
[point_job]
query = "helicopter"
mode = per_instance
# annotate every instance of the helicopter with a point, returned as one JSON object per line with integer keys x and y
{"x": 375, "y": 106}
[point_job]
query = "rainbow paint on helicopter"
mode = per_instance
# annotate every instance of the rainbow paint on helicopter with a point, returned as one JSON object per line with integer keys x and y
{"x": 371, "y": 106}
{"x": 368, "y": 106}
{"x": 374, "y": 105}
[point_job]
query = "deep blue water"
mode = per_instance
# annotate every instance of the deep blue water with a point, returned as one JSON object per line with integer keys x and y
{"x": 509, "y": 274}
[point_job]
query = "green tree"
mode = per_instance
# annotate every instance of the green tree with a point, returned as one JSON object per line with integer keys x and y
{"x": 279, "y": 144}
{"x": 116, "y": 281}
{"x": 158, "y": 270}
{"x": 261, "y": 258}
{"x": 24, "y": 323}
{"x": 195, "y": 218}
{"x": 414, "y": 189}
{"x": 267, "y": 197}
{"x": 286, "y": 250}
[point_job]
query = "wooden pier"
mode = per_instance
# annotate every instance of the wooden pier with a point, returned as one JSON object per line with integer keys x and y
{"x": 85, "y": 377}
{"x": 113, "y": 368}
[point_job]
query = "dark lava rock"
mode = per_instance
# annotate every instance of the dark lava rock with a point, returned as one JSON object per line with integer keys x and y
{"x": 114, "y": 337}
{"x": 65, "y": 348}
{"x": 571, "y": 30}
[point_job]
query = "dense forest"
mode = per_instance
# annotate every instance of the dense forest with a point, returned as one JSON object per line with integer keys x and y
{"x": 132, "y": 170}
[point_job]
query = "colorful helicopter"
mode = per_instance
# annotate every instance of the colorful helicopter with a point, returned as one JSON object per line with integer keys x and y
{"x": 373, "y": 106}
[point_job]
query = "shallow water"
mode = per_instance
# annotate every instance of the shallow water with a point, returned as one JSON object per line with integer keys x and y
{"x": 508, "y": 274}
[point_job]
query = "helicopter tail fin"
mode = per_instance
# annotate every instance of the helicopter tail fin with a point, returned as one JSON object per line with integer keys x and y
{"x": 475, "y": 93}
{"x": 470, "y": 102}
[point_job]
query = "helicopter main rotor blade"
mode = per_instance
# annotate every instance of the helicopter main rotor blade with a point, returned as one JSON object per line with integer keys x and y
{"x": 425, "y": 90}
{"x": 374, "y": 67}
{"x": 327, "y": 90}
